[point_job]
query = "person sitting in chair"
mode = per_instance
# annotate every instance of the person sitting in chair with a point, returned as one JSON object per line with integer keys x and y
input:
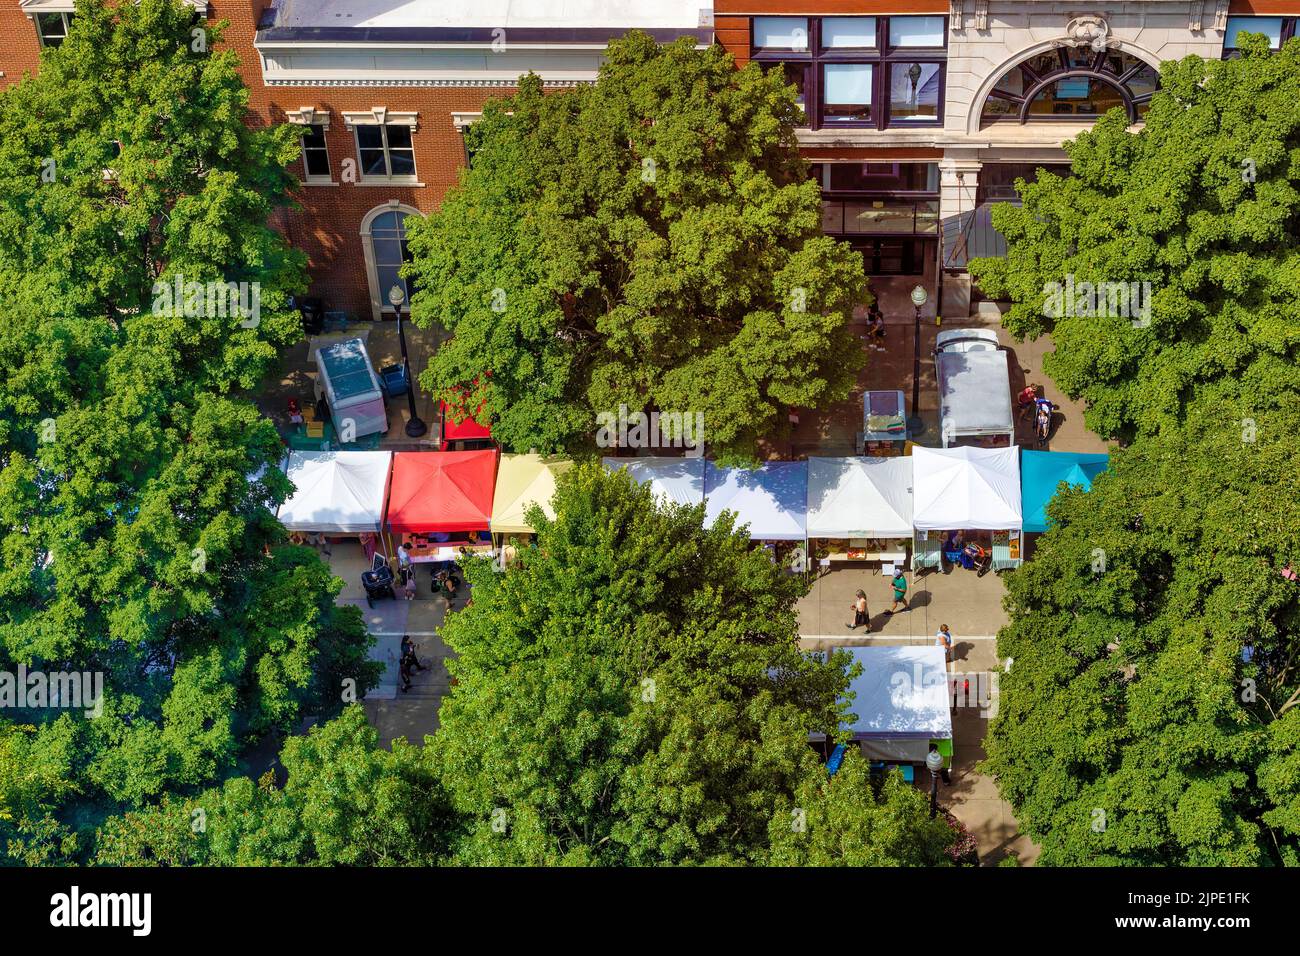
{"x": 952, "y": 547}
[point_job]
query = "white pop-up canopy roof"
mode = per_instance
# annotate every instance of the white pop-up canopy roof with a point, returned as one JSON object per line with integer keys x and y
{"x": 859, "y": 497}
{"x": 681, "y": 480}
{"x": 902, "y": 692}
{"x": 960, "y": 488}
{"x": 336, "y": 491}
{"x": 771, "y": 499}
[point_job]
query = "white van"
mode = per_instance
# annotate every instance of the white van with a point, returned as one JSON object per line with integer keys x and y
{"x": 974, "y": 379}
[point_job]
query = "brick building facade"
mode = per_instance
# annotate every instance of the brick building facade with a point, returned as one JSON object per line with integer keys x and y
{"x": 921, "y": 113}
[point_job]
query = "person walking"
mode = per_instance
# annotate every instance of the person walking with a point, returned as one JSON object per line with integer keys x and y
{"x": 861, "y": 617}
{"x": 899, "y": 583}
{"x": 408, "y": 583}
{"x": 408, "y": 654}
{"x": 945, "y": 640}
{"x": 875, "y": 328}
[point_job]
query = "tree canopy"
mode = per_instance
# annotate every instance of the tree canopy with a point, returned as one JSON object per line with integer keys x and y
{"x": 652, "y": 240}
{"x": 633, "y": 693}
{"x": 1150, "y": 713}
{"x": 137, "y": 488}
{"x": 1203, "y": 204}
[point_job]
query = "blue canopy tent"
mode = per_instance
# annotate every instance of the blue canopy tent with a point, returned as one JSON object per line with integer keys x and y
{"x": 1041, "y": 473}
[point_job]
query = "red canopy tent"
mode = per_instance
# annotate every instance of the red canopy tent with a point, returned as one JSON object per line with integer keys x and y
{"x": 467, "y": 430}
{"x": 441, "y": 491}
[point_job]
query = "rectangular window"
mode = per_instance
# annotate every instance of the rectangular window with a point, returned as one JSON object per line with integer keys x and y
{"x": 386, "y": 151}
{"x": 781, "y": 33}
{"x": 1271, "y": 27}
{"x": 916, "y": 32}
{"x": 866, "y": 71}
{"x": 914, "y": 91}
{"x": 52, "y": 28}
{"x": 848, "y": 33}
{"x": 846, "y": 92}
{"x": 315, "y": 154}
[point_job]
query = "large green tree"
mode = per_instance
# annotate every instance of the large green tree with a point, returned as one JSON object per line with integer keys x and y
{"x": 345, "y": 802}
{"x": 134, "y": 540}
{"x": 1151, "y": 714}
{"x": 633, "y": 693}
{"x": 1204, "y": 204}
{"x": 652, "y": 240}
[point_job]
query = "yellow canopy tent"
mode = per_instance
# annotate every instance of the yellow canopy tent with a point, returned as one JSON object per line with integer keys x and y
{"x": 523, "y": 480}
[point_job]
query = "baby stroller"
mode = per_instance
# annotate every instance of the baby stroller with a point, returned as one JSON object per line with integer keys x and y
{"x": 1042, "y": 420}
{"x": 378, "y": 581}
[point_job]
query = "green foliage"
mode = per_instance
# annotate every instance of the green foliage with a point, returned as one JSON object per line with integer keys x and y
{"x": 651, "y": 240}
{"x": 133, "y": 541}
{"x": 1130, "y": 730}
{"x": 633, "y": 694}
{"x": 848, "y": 824}
{"x": 345, "y": 802}
{"x": 1203, "y": 204}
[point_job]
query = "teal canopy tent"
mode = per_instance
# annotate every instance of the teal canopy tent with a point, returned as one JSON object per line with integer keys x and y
{"x": 1041, "y": 473}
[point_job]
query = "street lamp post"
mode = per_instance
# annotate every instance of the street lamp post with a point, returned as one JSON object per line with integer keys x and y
{"x": 915, "y": 424}
{"x": 414, "y": 427}
{"x": 934, "y": 763}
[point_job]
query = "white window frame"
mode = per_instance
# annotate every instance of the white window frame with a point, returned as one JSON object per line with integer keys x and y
{"x": 379, "y": 297}
{"x": 64, "y": 15}
{"x": 380, "y": 116}
{"x": 310, "y": 118}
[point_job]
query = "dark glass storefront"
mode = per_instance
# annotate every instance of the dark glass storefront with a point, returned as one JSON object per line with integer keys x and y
{"x": 888, "y": 211}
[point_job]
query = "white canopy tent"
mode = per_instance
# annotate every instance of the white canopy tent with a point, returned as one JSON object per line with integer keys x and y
{"x": 860, "y": 497}
{"x": 966, "y": 489}
{"x": 771, "y": 499}
{"x": 337, "y": 492}
{"x": 681, "y": 480}
{"x": 901, "y": 700}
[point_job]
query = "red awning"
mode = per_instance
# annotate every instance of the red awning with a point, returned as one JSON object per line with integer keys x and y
{"x": 441, "y": 491}
{"x": 467, "y": 429}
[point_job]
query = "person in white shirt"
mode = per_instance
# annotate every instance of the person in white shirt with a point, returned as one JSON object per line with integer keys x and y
{"x": 945, "y": 640}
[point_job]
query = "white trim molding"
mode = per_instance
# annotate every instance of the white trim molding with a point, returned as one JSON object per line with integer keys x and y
{"x": 461, "y": 121}
{"x": 380, "y": 116}
{"x": 308, "y": 116}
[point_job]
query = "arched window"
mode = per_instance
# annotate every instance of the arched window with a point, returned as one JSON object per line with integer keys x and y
{"x": 383, "y": 238}
{"x": 1071, "y": 82}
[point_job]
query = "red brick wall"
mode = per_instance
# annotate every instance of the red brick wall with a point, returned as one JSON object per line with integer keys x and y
{"x": 733, "y": 34}
{"x": 19, "y": 48}
{"x": 328, "y": 226}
